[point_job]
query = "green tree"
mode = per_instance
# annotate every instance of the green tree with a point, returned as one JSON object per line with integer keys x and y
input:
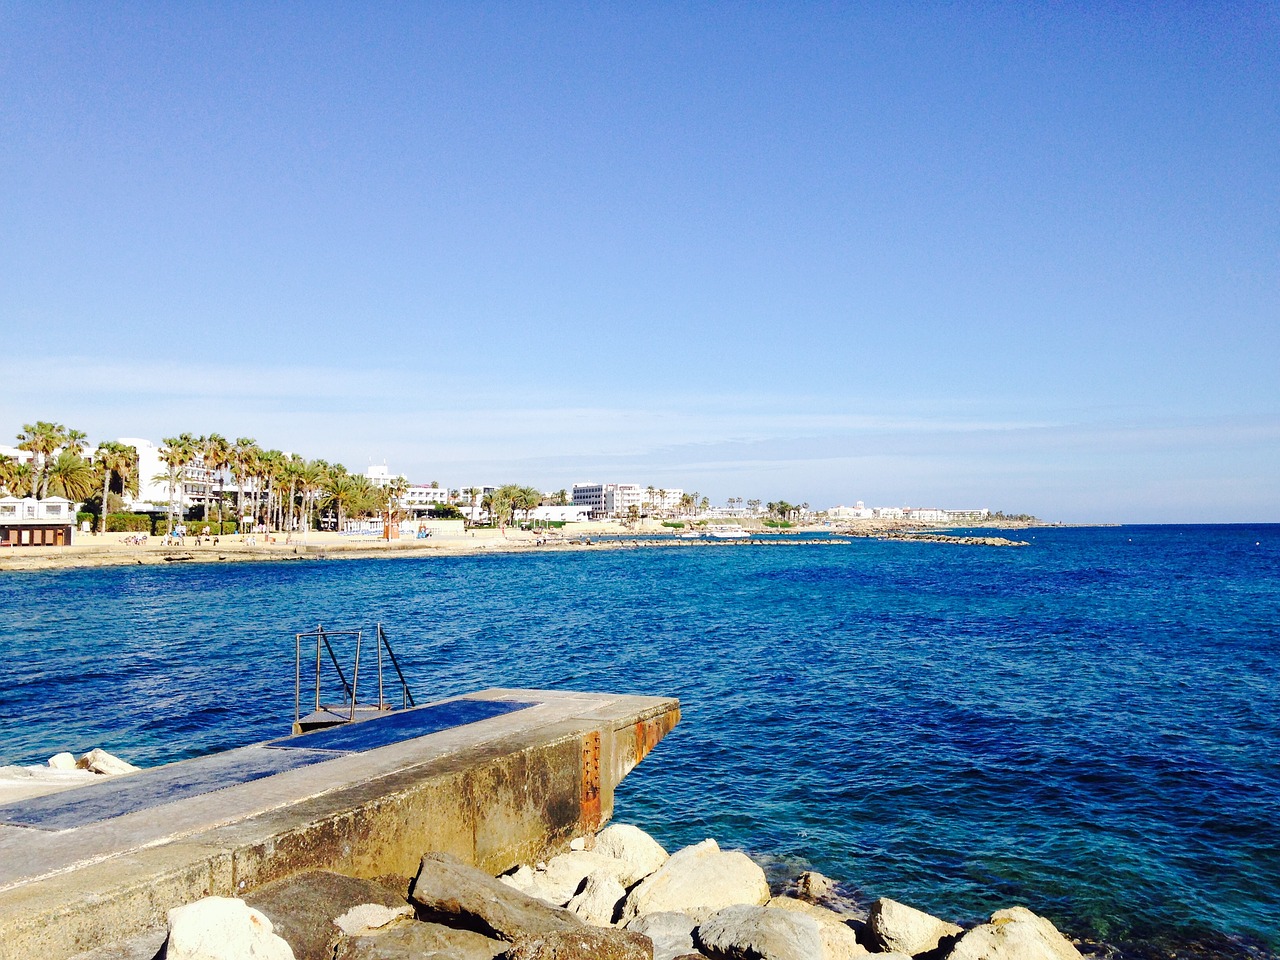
{"x": 243, "y": 456}
{"x": 115, "y": 461}
{"x": 41, "y": 439}
{"x": 499, "y": 506}
{"x": 69, "y": 475}
{"x": 176, "y": 453}
{"x": 216, "y": 452}
{"x": 527, "y": 499}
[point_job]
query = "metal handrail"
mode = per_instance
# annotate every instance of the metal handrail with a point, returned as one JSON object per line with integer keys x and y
{"x": 322, "y": 639}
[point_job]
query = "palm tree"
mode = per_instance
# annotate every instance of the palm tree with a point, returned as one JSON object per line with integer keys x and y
{"x": 340, "y": 493}
{"x": 115, "y": 460}
{"x": 753, "y": 505}
{"x": 241, "y": 455}
{"x": 42, "y": 439}
{"x": 217, "y": 457}
{"x": 69, "y": 475}
{"x": 176, "y": 454}
{"x": 498, "y": 503}
{"x": 76, "y": 441}
{"x": 527, "y": 499}
{"x": 8, "y": 473}
{"x": 650, "y": 491}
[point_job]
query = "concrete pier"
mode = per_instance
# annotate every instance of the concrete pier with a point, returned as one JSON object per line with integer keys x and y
{"x": 520, "y": 774}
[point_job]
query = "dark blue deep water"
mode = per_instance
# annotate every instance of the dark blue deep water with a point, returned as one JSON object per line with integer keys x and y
{"x": 1088, "y": 726}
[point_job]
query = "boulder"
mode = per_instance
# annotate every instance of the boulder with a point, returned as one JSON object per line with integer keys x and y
{"x": 699, "y": 880}
{"x": 304, "y": 908}
{"x": 62, "y": 761}
{"x": 369, "y": 917}
{"x": 814, "y": 887}
{"x": 640, "y": 852}
{"x": 220, "y": 928}
{"x": 562, "y": 877}
{"x": 449, "y": 891}
{"x": 839, "y": 939}
{"x": 760, "y": 933}
{"x": 671, "y": 933}
{"x": 426, "y": 941}
{"x": 587, "y": 943}
{"x": 598, "y": 902}
{"x": 1014, "y": 934}
{"x": 98, "y": 760}
{"x": 894, "y": 926}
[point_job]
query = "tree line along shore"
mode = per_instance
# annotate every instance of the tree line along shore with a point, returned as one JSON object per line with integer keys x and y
{"x": 254, "y": 489}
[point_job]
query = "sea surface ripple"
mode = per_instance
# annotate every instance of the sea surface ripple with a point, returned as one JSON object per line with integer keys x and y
{"x": 1088, "y": 726}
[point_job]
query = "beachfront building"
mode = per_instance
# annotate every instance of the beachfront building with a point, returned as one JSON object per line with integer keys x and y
{"x": 618, "y": 499}
{"x": 858, "y": 511}
{"x": 560, "y": 514}
{"x": 197, "y": 485}
{"x": 968, "y": 516}
{"x": 27, "y": 522}
{"x": 380, "y": 476}
{"x": 418, "y": 499}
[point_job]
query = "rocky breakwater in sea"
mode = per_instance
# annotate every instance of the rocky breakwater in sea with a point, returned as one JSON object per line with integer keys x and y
{"x": 63, "y": 770}
{"x": 614, "y": 896}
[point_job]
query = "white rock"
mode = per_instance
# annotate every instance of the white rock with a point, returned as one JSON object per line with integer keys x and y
{"x": 753, "y": 931}
{"x": 99, "y": 761}
{"x": 561, "y": 877}
{"x": 368, "y": 917}
{"x": 813, "y": 886}
{"x": 839, "y": 941}
{"x": 578, "y": 843}
{"x": 62, "y": 761}
{"x": 1014, "y": 934}
{"x": 699, "y": 880}
{"x": 521, "y": 878}
{"x": 218, "y": 928}
{"x": 642, "y": 854}
{"x": 671, "y": 933}
{"x": 598, "y": 902}
{"x": 895, "y": 926}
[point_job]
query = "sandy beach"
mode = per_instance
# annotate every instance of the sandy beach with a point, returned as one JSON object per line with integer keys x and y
{"x": 113, "y": 549}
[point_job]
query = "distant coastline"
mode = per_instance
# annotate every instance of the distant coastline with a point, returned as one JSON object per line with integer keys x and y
{"x": 90, "y": 551}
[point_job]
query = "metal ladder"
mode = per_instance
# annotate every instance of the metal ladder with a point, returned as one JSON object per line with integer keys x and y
{"x": 351, "y": 709}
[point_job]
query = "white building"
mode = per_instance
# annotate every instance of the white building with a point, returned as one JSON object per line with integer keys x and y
{"x": 617, "y": 499}
{"x": 196, "y": 485}
{"x": 379, "y": 476}
{"x": 27, "y": 522}
{"x": 968, "y": 516}
{"x": 857, "y": 512}
{"x": 555, "y": 514}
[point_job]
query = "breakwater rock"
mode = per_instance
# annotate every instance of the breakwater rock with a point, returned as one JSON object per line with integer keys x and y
{"x": 614, "y": 896}
{"x": 936, "y": 538}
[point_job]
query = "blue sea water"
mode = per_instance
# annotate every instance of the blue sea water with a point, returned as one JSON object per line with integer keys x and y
{"x": 1088, "y": 725}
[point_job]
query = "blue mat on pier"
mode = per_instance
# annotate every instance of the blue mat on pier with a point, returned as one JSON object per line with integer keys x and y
{"x": 404, "y": 725}
{"x": 95, "y": 802}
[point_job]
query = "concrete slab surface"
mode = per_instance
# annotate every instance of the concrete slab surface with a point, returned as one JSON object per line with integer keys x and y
{"x": 103, "y": 863}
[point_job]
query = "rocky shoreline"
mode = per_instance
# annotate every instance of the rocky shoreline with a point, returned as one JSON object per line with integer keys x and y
{"x": 616, "y": 895}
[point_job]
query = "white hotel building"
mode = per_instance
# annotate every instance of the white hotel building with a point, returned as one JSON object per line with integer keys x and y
{"x": 617, "y": 499}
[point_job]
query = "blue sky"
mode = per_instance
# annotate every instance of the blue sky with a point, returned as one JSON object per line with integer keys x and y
{"x": 1023, "y": 256}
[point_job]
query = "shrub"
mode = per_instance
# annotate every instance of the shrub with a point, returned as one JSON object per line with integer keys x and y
{"x": 128, "y": 523}
{"x": 673, "y": 523}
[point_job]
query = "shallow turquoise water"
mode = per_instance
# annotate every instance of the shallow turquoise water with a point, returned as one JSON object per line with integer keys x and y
{"x": 1087, "y": 726}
